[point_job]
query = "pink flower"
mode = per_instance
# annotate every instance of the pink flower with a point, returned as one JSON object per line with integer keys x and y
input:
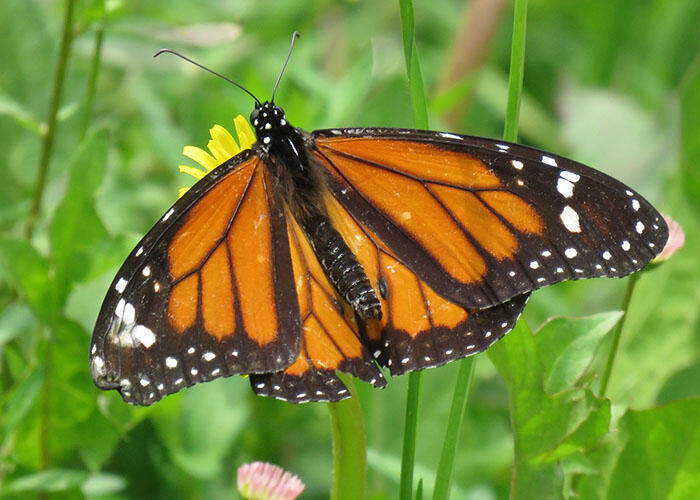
{"x": 264, "y": 481}
{"x": 676, "y": 239}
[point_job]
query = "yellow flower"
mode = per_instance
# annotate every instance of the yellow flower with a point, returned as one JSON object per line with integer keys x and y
{"x": 222, "y": 147}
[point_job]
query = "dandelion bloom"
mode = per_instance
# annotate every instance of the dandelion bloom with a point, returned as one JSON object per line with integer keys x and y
{"x": 265, "y": 481}
{"x": 222, "y": 147}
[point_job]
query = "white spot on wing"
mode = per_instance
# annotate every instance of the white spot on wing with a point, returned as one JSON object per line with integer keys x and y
{"x": 449, "y": 136}
{"x": 548, "y": 160}
{"x": 565, "y": 187}
{"x": 139, "y": 251}
{"x": 569, "y": 218}
{"x": 121, "y": 285}
{"x": 517, "y": 164}
{"x": 168, "y": 214}
{"x": 129, "y": 314}
{"x": 625, "y": 245}
{"x": 639, "y": 227}
{"x": 534, "y": 264}
{"x": 170, "y": 362}
{"x": 98, "y": 362}
{"x": 569, "y": 176}
{"x": 635, "y": 205}
{"x": 144, "y": 335}
{"x": 208, "y": 356}
{"x": 607, "y": 255}
{"x": 146, "y": 271}
{"x": 571, "y": 253}
{"x": 119, "y": 310}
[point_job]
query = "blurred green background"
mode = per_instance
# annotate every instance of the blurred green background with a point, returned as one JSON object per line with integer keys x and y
{"x": 614, "y": 84}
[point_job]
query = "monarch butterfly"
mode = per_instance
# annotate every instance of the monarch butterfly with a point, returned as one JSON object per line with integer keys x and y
{"x": 350, "y": 249}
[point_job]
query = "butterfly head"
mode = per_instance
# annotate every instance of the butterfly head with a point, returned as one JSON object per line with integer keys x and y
{"x": 268, "y": 120}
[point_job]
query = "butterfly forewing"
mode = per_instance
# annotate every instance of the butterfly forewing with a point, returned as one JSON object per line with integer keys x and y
{"x": 208, "y": 292}
{"x": 482, "y": 221}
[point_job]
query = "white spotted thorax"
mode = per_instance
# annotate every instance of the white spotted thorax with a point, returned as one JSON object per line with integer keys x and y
{"x": 268, "y": 120}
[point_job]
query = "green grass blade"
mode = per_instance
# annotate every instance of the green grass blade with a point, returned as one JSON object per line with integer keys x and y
{"x": 349, "y": 446}
{"x": 408, "y": 453}
{"x": 443, "y": 478}
{"x": 517, "y": 68}
{"x": 415, "y": 77}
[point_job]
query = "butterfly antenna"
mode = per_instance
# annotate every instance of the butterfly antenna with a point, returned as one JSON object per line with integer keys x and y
{"x": 174, "y": 52}
{"x": 295, "y": 35}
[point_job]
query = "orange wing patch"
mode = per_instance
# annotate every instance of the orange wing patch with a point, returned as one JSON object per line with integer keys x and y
{"x": 221, "y": 261}
{"x": 420, "y": 160}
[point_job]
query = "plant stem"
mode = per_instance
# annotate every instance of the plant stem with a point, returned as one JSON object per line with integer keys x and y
{"x": 92, "y": 80}
{"x": 454, "y": 424}
{"x": 349, "y": 446}
{"x": 517, "y": 69}
{"x": 50, "y": 134}
{"x": 617, "y": 333}
{"x": 408, "y": 454}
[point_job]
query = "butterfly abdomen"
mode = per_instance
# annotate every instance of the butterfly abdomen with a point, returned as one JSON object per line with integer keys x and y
{"x": 342, "y": 268}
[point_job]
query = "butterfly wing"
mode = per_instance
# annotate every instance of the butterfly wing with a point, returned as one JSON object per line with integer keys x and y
{"x": 208, "y": 292}
{"x": 331, "y": 339}
{"x": 419, "y": 328}
{"x": 481, "y": 222}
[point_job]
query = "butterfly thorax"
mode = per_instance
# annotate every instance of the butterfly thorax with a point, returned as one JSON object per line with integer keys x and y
{"x": 300, "y": 184}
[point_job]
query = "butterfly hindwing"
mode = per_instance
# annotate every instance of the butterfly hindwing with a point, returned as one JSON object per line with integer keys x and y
{"x": 208, "y": 292}
{"x": 419, "y": 329}
{"x": 330, "y": 338}
{"x": 481, "y": 221}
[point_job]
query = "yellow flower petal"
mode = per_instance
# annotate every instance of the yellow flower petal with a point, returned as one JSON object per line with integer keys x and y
{"x": 200, "y": 156}
{"x": 222, "y": 145}
{"x": 246, "y": 136}
{"x": 195, "y": 172}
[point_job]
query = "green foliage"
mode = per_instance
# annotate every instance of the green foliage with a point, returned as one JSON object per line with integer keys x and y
{"x": 614, "y": 84}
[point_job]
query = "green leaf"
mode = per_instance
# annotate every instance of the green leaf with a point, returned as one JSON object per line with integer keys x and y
{"x": 567, "y": 346}
{"x": 14, "y": 320}
{"x": 661, "y": 458}
{"x": 21, "y": 400}
{"x": 17, "y": 112}
{"x": 51, "y": 480}
{"x": 76, "y": 229}
{"x": 103, "y": 484}
{"x": 28, "y": 271}
{"x": 546, "y": 429}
